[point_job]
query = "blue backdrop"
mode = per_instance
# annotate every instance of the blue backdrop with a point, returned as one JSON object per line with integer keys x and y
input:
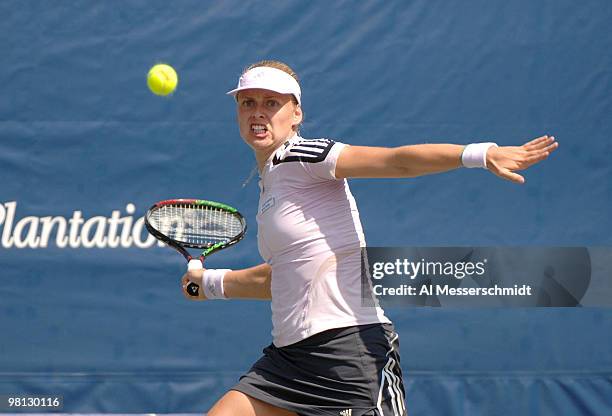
{"x": 90, "y": 306}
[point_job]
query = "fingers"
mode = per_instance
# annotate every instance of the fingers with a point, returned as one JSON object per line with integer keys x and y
{"x": 541, "y": 143}
{"x": 537, "y": 156}
{"x": 192, "y": 276}
{"x": 185, "y": 280}
{"x": 511, "y": 176}
{"x": 552, "y": 147}
{"x": 184, "y": 283}
{"x": 185, "y": 289}
{"x": 505, "y": 163}
{"x": 536, "y": 141}
{"x": 537, "y": 152}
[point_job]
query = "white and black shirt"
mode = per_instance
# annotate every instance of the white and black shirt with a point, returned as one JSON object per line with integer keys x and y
{"x": 310, "y": 233}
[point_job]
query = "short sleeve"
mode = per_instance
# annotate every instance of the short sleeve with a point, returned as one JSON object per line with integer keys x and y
{"x": 325, "y": 168}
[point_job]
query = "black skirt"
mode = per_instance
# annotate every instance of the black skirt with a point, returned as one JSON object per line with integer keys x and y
{"x": 353, "y": 371}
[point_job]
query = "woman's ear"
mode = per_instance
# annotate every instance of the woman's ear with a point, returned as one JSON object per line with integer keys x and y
{"x": 298, "y": 115}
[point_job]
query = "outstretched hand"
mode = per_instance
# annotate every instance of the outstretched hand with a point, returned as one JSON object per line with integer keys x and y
{"x": 505, "y": 160}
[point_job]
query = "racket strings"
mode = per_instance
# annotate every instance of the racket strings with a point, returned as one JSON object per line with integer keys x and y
{"x": 196, "y": 224}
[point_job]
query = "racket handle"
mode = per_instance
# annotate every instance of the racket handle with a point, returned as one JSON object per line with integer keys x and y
{"x": 194, "y": 264}
{"x": 192, "y": 288}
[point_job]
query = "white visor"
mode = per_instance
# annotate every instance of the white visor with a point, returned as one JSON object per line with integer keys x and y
{"x": 271, "y": 79}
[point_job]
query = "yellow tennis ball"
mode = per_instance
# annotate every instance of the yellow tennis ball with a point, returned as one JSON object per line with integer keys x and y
{"x": 162, "y": 79}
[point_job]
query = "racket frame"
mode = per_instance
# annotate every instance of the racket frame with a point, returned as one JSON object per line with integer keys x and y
{"x": 181, "y": 247}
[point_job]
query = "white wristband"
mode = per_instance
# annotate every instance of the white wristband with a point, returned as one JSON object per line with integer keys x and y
{"x": 475, "y": 155}
{"x": 212, "y": 282}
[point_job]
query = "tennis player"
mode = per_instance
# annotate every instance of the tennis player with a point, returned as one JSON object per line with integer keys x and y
{"x": 330, "y": 355}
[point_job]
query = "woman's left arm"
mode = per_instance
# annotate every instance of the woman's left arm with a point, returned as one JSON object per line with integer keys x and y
{"x": 423, "y": 159}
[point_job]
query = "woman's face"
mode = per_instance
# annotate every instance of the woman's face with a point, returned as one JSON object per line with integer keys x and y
{"x": 266, "y": 119}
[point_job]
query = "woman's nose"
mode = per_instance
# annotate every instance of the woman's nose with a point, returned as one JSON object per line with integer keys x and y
{"x": 258, "y": 112}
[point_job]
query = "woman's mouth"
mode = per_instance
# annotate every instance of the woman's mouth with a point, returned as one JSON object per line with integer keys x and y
{"x": 259, "y": 129}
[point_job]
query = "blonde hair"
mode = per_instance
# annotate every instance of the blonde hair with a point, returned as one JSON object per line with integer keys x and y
{"x": 283, "y": 67}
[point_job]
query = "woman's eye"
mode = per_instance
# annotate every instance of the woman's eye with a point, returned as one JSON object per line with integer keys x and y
{"x": 271, "y": 103}
{"x": 247, "y": 103}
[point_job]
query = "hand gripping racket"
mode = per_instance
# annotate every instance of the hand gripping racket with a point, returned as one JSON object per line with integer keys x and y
{"x": 195, "y": 223}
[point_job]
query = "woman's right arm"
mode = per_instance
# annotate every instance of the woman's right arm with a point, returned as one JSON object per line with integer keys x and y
{"x": 251, "y": 283}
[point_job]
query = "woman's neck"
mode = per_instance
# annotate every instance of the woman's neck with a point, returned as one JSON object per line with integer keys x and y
{"x": 263, "y": 156}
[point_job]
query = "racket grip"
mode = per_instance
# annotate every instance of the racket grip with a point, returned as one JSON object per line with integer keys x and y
{"x": 194, "y": 264}
{"x": 192, "y": 288}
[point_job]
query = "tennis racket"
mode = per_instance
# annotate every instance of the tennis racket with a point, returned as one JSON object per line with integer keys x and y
{"x": 195, "y": 223}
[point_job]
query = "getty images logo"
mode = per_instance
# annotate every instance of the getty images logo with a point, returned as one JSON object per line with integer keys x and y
{"x": 116, "y": 231}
